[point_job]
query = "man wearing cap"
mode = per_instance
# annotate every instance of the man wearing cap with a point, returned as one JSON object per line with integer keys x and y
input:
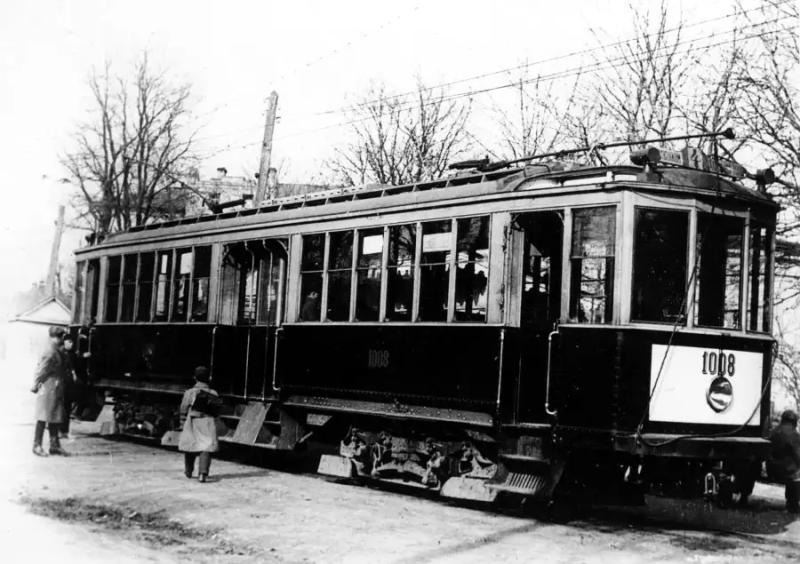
{"x": 199, "y": 435}
{"x": 786, "y": 457}
{"x": 48, "y": 385}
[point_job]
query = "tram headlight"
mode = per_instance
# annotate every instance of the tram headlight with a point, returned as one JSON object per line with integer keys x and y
{"x": 720, "y": 394}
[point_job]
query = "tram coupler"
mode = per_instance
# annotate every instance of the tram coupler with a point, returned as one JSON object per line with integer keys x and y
{"x": 718, "y": 486}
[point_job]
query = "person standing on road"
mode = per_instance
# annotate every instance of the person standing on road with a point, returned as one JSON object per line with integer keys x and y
{"x": 48, "y": 385}
{"x": 786, "y": 457}
{"x": 200, "y": 406}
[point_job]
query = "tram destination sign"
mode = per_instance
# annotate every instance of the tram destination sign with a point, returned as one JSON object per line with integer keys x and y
{"x": 705, "y": 385}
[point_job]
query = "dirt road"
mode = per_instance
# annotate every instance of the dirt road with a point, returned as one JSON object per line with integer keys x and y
{"x": 124, "y": 502}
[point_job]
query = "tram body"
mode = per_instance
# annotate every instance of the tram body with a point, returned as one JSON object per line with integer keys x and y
{"x": 523, "y": 331}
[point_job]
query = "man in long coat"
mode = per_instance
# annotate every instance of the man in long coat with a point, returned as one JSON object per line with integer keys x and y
{"x": 199, "y": 435}
{"x": 48, "y": 385}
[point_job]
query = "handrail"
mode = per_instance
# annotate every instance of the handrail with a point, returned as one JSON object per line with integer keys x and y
{"x": 213, "y": 349}
{"x": 551, "y": 412}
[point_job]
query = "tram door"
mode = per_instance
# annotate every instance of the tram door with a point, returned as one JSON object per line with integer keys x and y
{"x": 540, "y": 306}
{"x": 252, "y": 287}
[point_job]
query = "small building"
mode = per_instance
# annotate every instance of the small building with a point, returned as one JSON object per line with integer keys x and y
{"x": 26, "y": 333}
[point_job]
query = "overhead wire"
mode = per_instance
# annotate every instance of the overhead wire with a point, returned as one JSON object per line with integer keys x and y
{"x": 553, "y": 59}
{"x": 575, "y": 71}
{"x": 567, "y": 73}
{"x": 311, "y": 63}
{"x": 603, "y": 47}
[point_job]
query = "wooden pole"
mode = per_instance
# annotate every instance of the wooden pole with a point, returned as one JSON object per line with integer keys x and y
{"x": 52, "y": 271}
{"x": 266, "y": 148}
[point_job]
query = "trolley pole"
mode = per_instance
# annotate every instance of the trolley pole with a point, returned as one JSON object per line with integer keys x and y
{"x": 52, "y": 271}
{"x": 266, "y": 149}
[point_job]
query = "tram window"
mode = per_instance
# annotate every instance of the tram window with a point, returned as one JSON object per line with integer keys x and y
{"x": 311, "y": 276}
{"x": 592, "y": 258}
{"x": 235, "y": 298}
{"x": 368, "y": 269}
{"x": 435, "y": 270}
{"x": 112, "y": 287}
{"x": 80, "y": 293}
{"x": 400, "y": 272}
{"x": 86, "y": 279}
{"x": 472, "y": 268}
{"x": 248, "y": 282}
{"x": 659, "y": 265}
{"x": 269, "y": 288}
{"x": 146, "y": 272}
{"x": 340, "y": 264}
{"x": 164, "y": 274}
{"x": 129, "y": 268}
{"x": 541, "y": 292}
{"x": 180, "y": 291}
{"x": 760, "y": 278}
{"x": 718, "y": 289}
{"x": 92, "y": 285}
{"x": 200, "y": 281}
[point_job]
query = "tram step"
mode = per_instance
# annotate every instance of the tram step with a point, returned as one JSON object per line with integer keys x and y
{"x": 520, "y": 483}
{"x": 332, "y": 465}
{"x": 473, "y": 489}
{"x": 249, "y": 426}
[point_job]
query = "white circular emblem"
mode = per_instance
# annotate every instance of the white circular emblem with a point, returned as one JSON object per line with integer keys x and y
{"x": 720, "y": 394}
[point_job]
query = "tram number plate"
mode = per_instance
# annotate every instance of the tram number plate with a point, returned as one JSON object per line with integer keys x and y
{"x": 719, "y": 363}
{"x": 705, "y": 385}
{"x": 378, "y": 358}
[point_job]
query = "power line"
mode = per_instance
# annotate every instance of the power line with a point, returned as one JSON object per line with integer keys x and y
{"x": 526, "y": 65}
{"x": 552, "y": 59}
{"x": 575, "y": 71}
{"x": 311, "y": 63}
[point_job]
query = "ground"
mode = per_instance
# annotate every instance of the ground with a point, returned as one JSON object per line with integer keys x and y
{"x": 128, "y": 502}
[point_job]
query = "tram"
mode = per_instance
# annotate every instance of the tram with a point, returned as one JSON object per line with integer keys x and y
{"x": 519, "y": 330}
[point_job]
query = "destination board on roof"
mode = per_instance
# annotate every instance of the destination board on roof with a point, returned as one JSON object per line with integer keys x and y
{"x": 694, "y": 158}
{"x": 671, "y": 157}
{"x": 731, "y": 168}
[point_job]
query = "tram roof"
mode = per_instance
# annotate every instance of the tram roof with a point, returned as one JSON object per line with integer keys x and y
{"x": 549, "y": 176}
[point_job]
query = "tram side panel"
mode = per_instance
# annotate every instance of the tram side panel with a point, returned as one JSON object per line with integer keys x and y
{"x": 437, "y": 366}
{"x": 156, "y": 354}
{"x": 163, "y": 357}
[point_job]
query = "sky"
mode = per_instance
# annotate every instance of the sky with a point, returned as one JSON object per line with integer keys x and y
{"x": 319, "y": 56}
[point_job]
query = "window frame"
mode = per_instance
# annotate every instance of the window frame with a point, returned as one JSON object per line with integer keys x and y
{"x": 567, "y": 263}
{"x": 688, "y": 267}
{"x": 152, "y": 282}
{"x": 743, "y": 271}
{"x": 451, "y": 263}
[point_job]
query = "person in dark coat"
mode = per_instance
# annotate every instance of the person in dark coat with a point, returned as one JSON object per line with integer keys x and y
{"x": 48, "y": 385}
{"x": 199, "y": 435}
{"x": 786, "y": 457}
{"x": 310, "y": 308}
{"x": 69, "y": 383}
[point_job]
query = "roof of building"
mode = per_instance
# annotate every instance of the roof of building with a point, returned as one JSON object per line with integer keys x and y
{"x": 49, "y": 311}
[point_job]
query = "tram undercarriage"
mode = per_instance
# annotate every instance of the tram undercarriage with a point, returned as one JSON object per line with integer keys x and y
{"x": 462, "y": 463}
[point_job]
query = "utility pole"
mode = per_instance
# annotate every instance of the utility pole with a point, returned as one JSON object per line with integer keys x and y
{"x": 266, "y": 149}
{"x": 52, "y": 271}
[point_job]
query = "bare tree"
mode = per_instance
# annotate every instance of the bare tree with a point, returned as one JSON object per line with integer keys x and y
{"x": 535, "y": 122}
{"x": 769, "y": 113}
{"x": 787, "y": 371}
{"x": 639, "y": 83}
{"x": 396, "y": 141}
{"x": 130, "y": 152}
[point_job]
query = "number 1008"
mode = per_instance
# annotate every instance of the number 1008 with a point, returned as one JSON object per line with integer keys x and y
{"x": 719, "y": 363}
